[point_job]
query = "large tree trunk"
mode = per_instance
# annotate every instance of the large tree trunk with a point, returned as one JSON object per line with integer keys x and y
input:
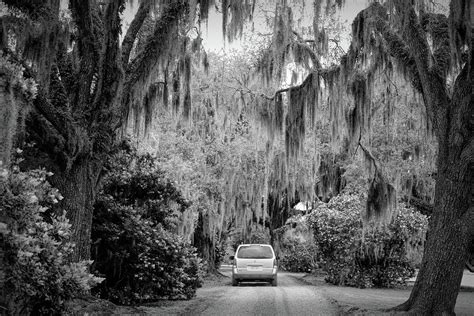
{"x": 204, "y": 242}
{"x": 79, "y": 186}
{"x": 450, "y": 230}
{"x": 439, "y": 279}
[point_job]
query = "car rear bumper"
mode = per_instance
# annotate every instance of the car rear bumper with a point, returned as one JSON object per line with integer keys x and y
{"x": 255, "y": 277}
{"x": 243, "y": 275}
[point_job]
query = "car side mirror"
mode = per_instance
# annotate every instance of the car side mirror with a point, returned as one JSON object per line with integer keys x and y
{"x": 231, "y": 257}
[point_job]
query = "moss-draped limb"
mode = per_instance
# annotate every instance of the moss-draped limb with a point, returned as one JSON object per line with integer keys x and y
{"x": 89, "y": 39}
{"x": 110, "y": 73}
{"x": 157, "y": 48}
{"x": 437, "y": 26}
{"x": 84, "y": 15}
{"x": 156, "y": 43}
{"x": 53, "y": 126}
{"x": 56, "y": 121}
{"x": 134, "y": 28}
{"x": 413, "y": 54}
{"x": 307, "y": 81}
{"x": 433, "y": 83}
{"x": 398, "y": 50}
{"x": 461, "y": 15}
{"x": 58, "y": 118}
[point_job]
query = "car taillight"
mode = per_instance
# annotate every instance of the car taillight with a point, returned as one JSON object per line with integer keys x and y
{"x": 234, "y": 264}
{"x": 274, "y": 263}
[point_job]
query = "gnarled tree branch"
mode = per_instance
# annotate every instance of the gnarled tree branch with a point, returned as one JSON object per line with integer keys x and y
{"x": 437, "y": 26}
{"x": 90, "y": 36}
{"x": 433, "y": 82}
{"x": 110, "y": 72}
{"x": 131, "y": 35}
{"x": 398, "y": 49}
{"x": 154, "y": 50}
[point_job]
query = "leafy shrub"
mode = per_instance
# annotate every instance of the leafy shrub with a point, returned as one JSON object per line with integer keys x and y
{"x": 140, "y": 260}
{"x": 220, "y": 252}
{"x": 39, "y": 277}
{"x": 136, "y": 181}
{"x": 133, "y": 247}
{"x": 297, "y": 250}
{"x": 366, "y": 258}
{"x": 299, "y": 257}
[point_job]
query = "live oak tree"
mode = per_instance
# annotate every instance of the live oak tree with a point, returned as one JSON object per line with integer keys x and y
{"x": 435, "y": 51}
{"x": 431, "y": 51}
{"x": 91, "y": 81}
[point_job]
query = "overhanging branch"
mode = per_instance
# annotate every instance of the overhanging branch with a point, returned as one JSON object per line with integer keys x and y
{"x": 89, "y": 40}
{"x": 110, "y": 72}
{"x": 432, "y": 81}
{"x": 437, "y": 26}
{"x": 398, "y": 50}
{"x": 306, "y": 81}
{"x": 154, "y": 47}
{"x": 133, "y": 30}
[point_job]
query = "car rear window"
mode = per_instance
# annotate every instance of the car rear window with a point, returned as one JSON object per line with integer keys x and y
{"x": 255, "y": 252}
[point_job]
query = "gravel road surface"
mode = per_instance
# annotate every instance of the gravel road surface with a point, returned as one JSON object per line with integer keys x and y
{"x": 290, "y": 297}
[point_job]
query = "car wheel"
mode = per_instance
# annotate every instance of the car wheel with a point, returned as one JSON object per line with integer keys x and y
{"x": 274, "y": 282}
{"x": 234, "y": 282}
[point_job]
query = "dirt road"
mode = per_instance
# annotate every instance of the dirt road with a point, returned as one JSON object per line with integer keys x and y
{"x": 293, "y": 296}
{"x": 290, "y": 297}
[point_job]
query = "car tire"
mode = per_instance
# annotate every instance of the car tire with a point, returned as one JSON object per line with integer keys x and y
{"x": 234, "y": 282}
{"x": 274, "y": 282}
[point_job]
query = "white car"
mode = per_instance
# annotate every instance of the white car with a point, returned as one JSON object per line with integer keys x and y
{"x": 254, "y": 262}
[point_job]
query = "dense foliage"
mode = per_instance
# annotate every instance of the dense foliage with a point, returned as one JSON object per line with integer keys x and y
{"x": 370, "y": 257}
{"x": 40, "y": 278}
{"x": 134, "y": 246}
{"x": 297, "y": 251}
{"x": 299, "y": 257}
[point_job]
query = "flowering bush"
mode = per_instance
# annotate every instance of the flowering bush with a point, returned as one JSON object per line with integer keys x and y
{"x": 39, "y": 277}
{"x": 374, "y": 256}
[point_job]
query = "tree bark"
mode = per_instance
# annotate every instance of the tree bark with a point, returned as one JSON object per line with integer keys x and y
{"x": 204, "y": 243}
{"x": 78, "y": 186}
